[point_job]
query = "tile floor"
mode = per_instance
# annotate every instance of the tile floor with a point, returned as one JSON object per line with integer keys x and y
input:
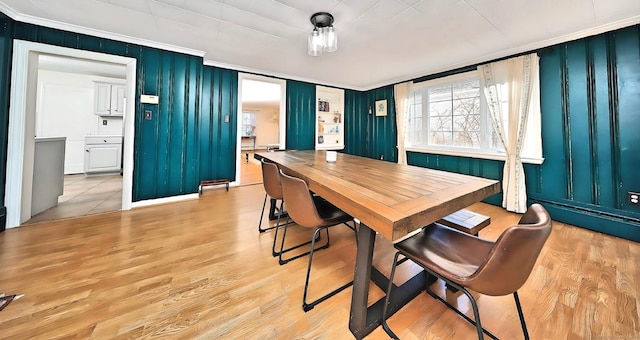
{"x": 85, "y": 195}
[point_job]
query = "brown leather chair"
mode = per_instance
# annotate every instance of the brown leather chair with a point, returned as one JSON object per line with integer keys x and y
{"x": 312, "y": 211}
{"x": 468, "y": 262}
{"x": 273, "y": 189}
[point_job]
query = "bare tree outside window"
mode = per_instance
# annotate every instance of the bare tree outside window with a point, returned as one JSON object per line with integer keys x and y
{"x": 454, "y": 114}
{"x": 451, "y": 115}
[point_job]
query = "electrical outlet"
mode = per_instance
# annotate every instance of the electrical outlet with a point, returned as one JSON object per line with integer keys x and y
{"x": 633, "y": 198}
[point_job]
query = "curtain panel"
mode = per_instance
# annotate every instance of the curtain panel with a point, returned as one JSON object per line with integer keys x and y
{"x": 402, "y": 93}
{"x": 511, "y": 90}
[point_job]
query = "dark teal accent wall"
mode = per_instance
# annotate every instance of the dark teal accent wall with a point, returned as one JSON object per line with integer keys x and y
{"x": 301, "y": 115}
{"x": 187, "y": 139}
{"x": 590, "y": 100}
{"x": 366, "y": 134}
{"x": 468, "y": 166}
{"x": 355, "y": 118}
{"x": 6, "y": 48}
{"x": 217, "y": 138}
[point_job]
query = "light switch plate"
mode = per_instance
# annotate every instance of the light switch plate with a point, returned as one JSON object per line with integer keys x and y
{"x": 149, "y": 99}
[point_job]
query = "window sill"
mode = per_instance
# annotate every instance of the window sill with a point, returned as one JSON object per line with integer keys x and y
{"x": 470, "y": 154}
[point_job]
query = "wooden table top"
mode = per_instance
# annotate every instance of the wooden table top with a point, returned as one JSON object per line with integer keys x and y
{"x": 391, "y": 199}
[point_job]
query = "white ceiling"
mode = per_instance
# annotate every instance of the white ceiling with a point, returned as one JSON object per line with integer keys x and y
{"x": 380, "y": 42}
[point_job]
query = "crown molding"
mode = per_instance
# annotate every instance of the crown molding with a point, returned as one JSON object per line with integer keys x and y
{"x": 98, "y": 33}
{"x": 209, "y": 62}
{"x": 514, "y": 51}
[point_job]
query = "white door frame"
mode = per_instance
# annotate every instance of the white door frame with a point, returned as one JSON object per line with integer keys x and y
{"x": 22, "y": 124}
{"x": 282, "y": 120}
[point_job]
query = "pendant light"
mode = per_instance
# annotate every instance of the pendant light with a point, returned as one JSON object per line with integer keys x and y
{"x": 323, "y": 37}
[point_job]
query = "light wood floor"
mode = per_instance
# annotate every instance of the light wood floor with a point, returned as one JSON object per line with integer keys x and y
{"x": 250, "y": 170}
{"x": 198, "y": 269}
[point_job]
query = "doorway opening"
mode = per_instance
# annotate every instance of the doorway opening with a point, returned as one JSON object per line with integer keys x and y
{"x": 261, "y": 123}
{"x": 21, "y": 158}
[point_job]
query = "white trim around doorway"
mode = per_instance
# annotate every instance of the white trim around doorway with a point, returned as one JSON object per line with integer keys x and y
{"x": 282, "y": 119}
{"x": 21, "y": 126}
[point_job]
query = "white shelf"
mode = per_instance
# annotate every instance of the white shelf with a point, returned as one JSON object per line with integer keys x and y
{"x": 329, "y": 118}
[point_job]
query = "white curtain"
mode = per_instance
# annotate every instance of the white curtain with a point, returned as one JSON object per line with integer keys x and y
{"x": 401, "y": 93}
{"x": 513, "y": 99}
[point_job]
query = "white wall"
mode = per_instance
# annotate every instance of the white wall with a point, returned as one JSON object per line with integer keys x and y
{"x": 64, "y": 108}
{"x": 267, "y": 128}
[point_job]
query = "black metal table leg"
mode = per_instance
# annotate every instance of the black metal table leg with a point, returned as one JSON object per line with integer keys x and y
{"x": 363, "y": 320}
{"x": 358, "y": 316}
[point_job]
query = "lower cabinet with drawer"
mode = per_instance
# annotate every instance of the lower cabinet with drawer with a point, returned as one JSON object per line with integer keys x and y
{"x": 103, "y": 154}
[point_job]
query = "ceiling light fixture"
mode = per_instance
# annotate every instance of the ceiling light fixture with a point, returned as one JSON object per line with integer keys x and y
{"x": 323, "y": 37}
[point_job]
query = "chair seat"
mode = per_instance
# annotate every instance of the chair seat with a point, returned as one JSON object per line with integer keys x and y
{"x": 329, "y": 213}
{"x": 452, "y": 253}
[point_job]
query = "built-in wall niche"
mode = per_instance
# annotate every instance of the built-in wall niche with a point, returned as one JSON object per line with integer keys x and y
{"x": 329, "y": 118}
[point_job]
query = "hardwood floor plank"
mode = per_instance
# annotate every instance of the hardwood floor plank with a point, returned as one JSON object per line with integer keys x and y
{"x": 199, "y": 269}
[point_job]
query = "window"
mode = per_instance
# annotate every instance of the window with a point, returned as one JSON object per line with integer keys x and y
{"x": 450, "y": 114}
{"x": 248, "y": 124}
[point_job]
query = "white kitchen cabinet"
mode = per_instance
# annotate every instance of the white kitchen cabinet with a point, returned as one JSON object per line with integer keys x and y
{"x": 103, "y": 154}
{"x": 48, "y": 173}
{"x": 109, "y": 99}
{"x": 329, "y": 118}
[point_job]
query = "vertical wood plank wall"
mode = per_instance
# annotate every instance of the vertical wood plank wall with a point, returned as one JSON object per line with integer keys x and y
{"x": 301, "y": 115}
{"x": 590, "y": 95}
{"x": 6, "y": 52}
{"x": 366, "y": 134}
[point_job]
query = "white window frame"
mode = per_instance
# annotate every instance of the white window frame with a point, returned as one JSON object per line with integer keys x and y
{"x": 484, "y": 152}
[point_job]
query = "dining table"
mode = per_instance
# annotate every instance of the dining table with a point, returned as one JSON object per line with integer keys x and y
{"x": 389, "y": 199}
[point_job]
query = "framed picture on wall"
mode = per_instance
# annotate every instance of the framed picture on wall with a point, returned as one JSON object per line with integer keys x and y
{"x": 381, "y": 108}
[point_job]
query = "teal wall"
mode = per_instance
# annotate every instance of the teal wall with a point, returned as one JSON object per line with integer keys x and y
{"x": 365, "y": 134}
{"x": 301, "y": 114}
{"x": 6, "y": 48}
{"x": 590, "y": 100}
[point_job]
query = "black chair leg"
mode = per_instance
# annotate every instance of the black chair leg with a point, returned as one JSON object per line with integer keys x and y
{"x": 262, "y": 215}
{"x": 275, "y": 236}
{"x": 385, "y": 326}
{"x": 519, "y": 307}
{"x": 309, "y": 306}
{"x": 474, "y": 305}
{"x": 264, "y": 205}
{"x": 312, "y": 242}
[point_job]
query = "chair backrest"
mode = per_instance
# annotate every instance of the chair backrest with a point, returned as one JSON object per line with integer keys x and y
{"x": 300, "y": 205}
{"x": 513, "y": 255}
{"x": 271, "y": 179}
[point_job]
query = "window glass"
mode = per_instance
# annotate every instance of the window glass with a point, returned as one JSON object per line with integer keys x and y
{"x": 456, "y": 116}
